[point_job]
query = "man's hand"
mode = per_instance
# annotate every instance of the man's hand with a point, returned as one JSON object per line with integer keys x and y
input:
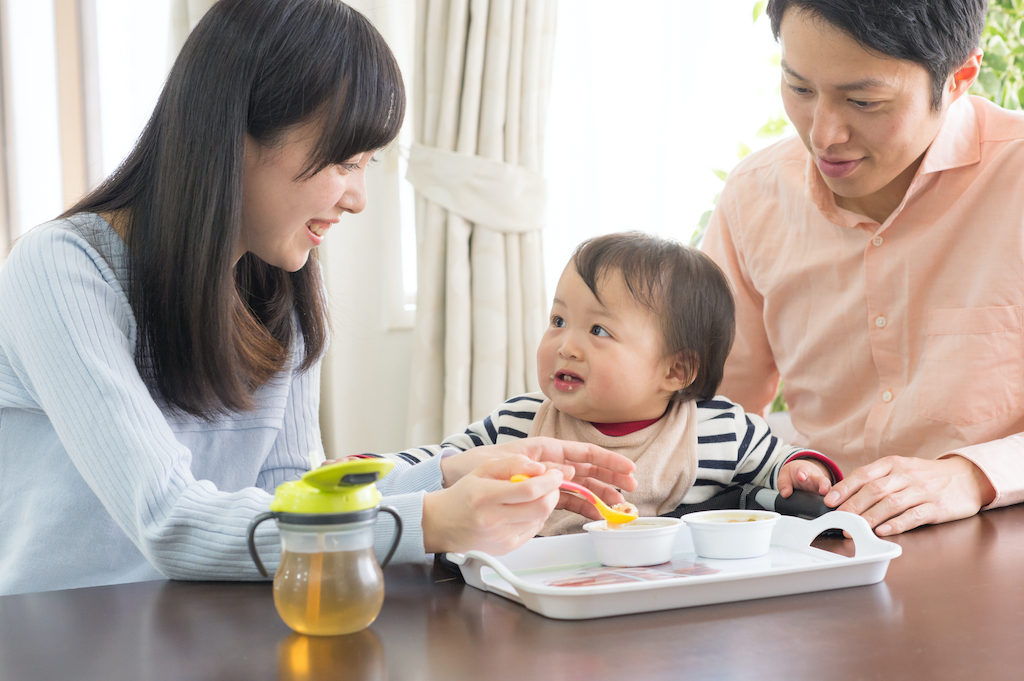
{"x": 899, "y": 493}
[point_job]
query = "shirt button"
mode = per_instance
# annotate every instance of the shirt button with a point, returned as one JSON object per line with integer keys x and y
{"x": 877, "y": 241}
{"x": 880, "y": 322}
{"x": 887, "y": 396}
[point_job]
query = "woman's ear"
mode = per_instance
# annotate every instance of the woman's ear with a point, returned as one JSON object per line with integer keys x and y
{"x": 682, "y": 371}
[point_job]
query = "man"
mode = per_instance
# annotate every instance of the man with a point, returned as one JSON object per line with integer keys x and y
{"x": 878, "y": 260}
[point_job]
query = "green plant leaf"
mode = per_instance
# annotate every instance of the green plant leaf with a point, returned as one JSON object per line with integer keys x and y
{"x": 720, "y": 174}
{"x": 775, "y": 126}
{"x": 779, "y": 403}
{"x": 989, "y": 83}
{"x": 759, "y": 9}
{"x": 742, "y": 150}
{"x": 702, "y": 228}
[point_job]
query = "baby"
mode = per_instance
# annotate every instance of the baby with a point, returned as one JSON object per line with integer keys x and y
{"x": 634, "y": 352}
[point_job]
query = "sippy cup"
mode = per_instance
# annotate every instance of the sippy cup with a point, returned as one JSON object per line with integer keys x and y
{"x": 328, "y": 582}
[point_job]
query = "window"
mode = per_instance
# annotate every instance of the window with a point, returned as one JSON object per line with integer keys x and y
{"x": 648, "y": 99}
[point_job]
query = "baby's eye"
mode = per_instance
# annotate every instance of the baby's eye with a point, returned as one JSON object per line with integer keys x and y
{"x": 599, "y": 331}
{"x": 557, "y": 322}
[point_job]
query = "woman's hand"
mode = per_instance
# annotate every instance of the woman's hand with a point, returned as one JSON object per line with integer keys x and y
{"x": 899, "y": 493}
{"x": 587, "y": 464}
{"x": 805, "y": 474}
{"x": 483, "y": 510}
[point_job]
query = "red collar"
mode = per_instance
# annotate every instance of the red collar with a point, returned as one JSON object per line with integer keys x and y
{"x": 620, "y": 429}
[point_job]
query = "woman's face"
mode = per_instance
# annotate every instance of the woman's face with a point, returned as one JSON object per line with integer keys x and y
{"x": 284, "y": 216}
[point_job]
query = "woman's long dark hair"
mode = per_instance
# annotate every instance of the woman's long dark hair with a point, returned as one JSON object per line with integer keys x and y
{"x": 211, "y": 331}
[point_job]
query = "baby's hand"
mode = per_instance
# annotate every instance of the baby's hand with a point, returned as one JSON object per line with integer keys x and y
{"x": 806, "y": 474}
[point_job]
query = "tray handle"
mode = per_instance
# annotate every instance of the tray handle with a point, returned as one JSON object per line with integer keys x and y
{"x": 471, "y": 563}
{"x": 802, "y": 534}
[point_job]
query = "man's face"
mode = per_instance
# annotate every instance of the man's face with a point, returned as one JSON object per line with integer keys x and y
{"x": 866, "y": 118}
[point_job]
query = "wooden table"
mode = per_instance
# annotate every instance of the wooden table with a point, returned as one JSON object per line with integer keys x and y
{"x": 952, "y": 607}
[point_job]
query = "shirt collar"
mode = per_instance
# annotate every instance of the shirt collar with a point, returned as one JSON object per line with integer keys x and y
{"x": 957, "y": 144}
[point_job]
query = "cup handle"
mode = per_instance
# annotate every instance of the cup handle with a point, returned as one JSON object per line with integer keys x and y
{"x": 251, "y": 539}
{"x": 396, "y": 538}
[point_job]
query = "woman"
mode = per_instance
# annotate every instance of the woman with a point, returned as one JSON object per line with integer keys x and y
{"x": 161, "y": 341}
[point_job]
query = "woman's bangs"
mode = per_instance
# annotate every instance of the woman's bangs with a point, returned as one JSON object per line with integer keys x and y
{"x": 366, "y": 111}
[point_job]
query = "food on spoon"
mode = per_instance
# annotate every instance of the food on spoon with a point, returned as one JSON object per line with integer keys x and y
{"x": 627, "y": 508}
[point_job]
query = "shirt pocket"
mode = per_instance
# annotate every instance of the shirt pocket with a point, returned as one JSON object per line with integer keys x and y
{"x": 973, "y": 368}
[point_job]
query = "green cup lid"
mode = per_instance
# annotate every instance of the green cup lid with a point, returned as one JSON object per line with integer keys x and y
{"x": 342, "y": 487}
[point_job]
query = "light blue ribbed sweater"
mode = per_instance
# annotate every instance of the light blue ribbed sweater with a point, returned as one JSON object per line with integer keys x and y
{"x": 99, "y": 484}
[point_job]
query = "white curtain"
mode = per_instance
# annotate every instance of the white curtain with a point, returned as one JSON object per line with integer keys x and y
{"x": 482, "y": 80}
{"x": 185, "y": 14}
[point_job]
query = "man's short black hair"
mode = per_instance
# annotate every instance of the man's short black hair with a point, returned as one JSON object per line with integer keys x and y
{"x": 937, "y": 34}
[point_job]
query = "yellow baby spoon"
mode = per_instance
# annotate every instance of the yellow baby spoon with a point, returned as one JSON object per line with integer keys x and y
{"x": 610, "y": 514}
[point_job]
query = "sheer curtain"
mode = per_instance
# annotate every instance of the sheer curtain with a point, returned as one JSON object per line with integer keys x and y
{"x": 185, "y": 14}
{"x": 481, "y": 89}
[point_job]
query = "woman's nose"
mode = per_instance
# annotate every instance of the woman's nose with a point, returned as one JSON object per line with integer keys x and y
{"x": 829, "y": 127}
{"x": 353, "y": 199}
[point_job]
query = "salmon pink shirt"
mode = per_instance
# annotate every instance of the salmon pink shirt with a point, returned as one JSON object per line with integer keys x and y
{"x": 901, "y": 338}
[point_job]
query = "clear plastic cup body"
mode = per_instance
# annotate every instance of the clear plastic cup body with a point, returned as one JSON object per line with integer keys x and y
{"x": 328, "y": 582}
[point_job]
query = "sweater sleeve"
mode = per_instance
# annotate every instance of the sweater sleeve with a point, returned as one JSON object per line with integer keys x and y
{"x": 69, "y": 334}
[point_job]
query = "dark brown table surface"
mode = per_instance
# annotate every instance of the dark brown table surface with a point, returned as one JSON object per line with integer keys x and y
{"x": 951, "y": 607}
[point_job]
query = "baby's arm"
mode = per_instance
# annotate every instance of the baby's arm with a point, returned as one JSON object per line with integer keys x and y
{"x": 810, "y": 475}
{"x": 763, "y": 459}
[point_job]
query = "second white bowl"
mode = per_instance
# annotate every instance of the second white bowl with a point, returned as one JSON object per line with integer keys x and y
{"x": 731, "y": 534}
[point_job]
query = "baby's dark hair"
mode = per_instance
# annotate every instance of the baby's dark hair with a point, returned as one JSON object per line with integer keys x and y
{"x": 683, "y": 286}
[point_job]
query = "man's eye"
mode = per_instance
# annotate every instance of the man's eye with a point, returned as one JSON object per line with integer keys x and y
{"x": 863, "y": 105}
{"x": 599, "y": 331}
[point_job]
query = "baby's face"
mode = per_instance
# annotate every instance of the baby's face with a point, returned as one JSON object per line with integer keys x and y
{"x": 604, "y": 361}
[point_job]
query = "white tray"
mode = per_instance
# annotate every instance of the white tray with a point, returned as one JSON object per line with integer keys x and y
{"x": 529, "y": 575}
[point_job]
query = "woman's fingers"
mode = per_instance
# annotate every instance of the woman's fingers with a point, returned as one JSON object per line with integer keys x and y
{"x": 487, "y": 512}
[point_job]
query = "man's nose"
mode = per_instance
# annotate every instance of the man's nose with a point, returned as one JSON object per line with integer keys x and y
{"x": 829, "y": 126}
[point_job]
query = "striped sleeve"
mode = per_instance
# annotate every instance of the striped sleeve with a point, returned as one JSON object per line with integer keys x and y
{"x": 511, "y": 421}
{"x": 736, "y": 448}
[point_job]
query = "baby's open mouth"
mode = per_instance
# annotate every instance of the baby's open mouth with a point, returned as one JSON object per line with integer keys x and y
{"x": 567, "y": 377}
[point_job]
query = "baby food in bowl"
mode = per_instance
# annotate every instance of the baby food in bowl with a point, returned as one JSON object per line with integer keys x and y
{"x": 645, "y": 541}
{"x": 731, "y": 534}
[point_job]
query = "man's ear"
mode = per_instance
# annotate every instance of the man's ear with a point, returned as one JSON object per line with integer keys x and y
{"x": 965, "y": 76}
{"x": 682, "y": 371}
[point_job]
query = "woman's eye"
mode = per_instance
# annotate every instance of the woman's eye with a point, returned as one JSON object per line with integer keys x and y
{"x": 599, "y": 331}
{"x": 557, "y": 322}
{"x": 349, "y": 167}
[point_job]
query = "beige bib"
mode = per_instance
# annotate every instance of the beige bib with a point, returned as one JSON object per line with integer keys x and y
{"x": 665, "y": 454}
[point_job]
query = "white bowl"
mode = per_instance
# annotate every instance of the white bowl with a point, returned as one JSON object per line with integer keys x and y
{"x": 645, "y": 541}
{"x": 731, "y": 533}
